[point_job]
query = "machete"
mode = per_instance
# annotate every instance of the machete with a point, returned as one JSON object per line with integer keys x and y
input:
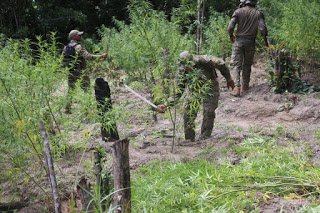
{"x": 139, "y": 96}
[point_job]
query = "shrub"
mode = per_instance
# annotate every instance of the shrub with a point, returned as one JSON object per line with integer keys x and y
{"x": 296, "y": 23}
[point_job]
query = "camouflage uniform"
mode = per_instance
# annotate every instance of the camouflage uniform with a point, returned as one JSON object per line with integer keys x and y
{"x": 78, "y": 71}
{"x": 249, "y": 19}
{"x": 207, "y": 65}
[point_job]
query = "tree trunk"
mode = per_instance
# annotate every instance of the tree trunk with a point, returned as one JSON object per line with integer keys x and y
{"x": 109, "y": 131}
{"x": 121, "y": 169}
{"x": 198, "y": 27}
{"x": 200, "y": 17}
{"x": 52, "y": 176}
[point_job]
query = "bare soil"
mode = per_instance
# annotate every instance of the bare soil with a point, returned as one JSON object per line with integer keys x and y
{"x": 236, "y": 118}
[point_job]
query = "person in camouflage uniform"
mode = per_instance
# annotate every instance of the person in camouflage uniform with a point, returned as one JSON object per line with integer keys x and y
{"x": 77, "y": 69}
{"x": 207, "y": 66}
{"x": 249, "y": 19}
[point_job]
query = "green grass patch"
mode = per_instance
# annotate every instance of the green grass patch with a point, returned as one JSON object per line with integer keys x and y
{"x": 199, "y": 186}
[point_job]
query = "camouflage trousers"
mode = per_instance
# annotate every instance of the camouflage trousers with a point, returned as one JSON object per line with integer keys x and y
{"x": 210, "y": 104}
{"x": 242, "y": 59}
{"x": 73, "y": 77}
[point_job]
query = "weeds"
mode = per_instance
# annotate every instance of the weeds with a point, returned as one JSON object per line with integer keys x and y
{"x": 299, "y": 43}
{"x": 198, "y": 186}
{"x": 28, "y": 77}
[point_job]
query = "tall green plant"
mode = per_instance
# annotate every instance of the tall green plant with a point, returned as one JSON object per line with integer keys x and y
{"x": 296, "y": 23}
{"x": 151, "y": 35}
{"x": 151, "y": 53}
{"x": 28, "y": 77}
{"x": 216, "y": 36}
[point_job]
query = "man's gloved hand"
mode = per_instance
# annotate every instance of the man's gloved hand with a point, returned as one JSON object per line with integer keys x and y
{"x": 230, "y": 84}
{"x": 232, "y": 38}
{"x": 161, "y": 108}
{"x": 104, "y": 55}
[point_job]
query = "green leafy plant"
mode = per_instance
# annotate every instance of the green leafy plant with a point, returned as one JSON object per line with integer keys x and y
{"x": 284, "y": 72}
{"x": 216, "y": 36}
{"x": 199, "y": 186}
{"x": 29, "y": 75}
{"x": 301, "y": 38}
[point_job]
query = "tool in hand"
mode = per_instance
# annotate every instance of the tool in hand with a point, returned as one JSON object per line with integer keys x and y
{"x": 139, "y": 96}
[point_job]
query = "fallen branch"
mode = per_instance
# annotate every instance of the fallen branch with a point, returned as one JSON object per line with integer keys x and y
{"x": 266, "y": 186}
{"x": 52, "y": 176}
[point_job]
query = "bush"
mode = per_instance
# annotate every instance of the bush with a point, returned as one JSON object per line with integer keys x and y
{"x": 295, "y": 22}
{"x": 28, "y": 77}
{"x": 140, "y": 46}
{"x": 216, "y": 36}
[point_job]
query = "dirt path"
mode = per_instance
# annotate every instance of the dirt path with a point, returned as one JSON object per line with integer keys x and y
{"x": 258, "y": 110}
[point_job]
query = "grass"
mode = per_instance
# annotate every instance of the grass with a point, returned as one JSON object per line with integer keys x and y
{"x": 199, "y": 186}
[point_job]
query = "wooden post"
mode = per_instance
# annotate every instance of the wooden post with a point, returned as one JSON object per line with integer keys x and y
{"x": 103, "y": 97}
{"x": 121, "y": 169}
{"x": 97, "y": 167}
{"x": 83, "y": 188}
{"x": 52, "y": 176}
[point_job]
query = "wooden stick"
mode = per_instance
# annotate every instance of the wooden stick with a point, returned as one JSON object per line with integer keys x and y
{"x": 52, "y": 176}
{"x": 198, "y": 27}
{"x": 121, "y": 169}
{"x": 97, "y": 167}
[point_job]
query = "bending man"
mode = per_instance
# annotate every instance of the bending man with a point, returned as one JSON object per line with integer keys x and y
{"x": 206, "y": 84}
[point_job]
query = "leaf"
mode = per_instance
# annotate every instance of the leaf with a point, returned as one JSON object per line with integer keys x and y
{"x": 85, "y": 134}
{"x": 293, "y": 196}
{"x": 19, "y": 126}
{"x": 266, "y": 197}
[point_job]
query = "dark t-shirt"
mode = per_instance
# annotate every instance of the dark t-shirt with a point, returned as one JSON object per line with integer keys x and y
{"x": 249, "y": 19}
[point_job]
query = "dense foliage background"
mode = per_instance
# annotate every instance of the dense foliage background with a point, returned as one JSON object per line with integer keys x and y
{"x": 294, "y": 22}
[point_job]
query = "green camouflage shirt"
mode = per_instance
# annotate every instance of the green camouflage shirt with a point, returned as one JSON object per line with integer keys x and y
{"x": 208, "y": 65}
{"x": 82, "y": 54}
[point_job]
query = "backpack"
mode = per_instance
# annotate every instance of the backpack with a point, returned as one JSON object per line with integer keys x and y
{"x": 70, "y": 56}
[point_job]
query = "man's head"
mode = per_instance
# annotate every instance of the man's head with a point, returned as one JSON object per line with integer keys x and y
{"x": 248, "y": 2}
{"x": 186, "y": 59}
{"x": 75, "y": 35}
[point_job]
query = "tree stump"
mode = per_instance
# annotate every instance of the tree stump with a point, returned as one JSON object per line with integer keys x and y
{"x": 109, "y": 131}
{"x": 121, "y": 170}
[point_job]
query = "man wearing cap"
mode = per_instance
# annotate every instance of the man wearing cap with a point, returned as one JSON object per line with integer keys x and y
{"x": 207, "y": 65}
{"x": 75, "y": 56}
{"x": 249, "y": 19}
